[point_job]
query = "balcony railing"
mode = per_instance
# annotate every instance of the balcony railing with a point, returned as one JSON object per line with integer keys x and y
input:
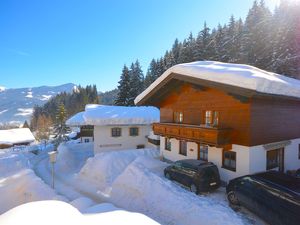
{"x": 200, "y": 134}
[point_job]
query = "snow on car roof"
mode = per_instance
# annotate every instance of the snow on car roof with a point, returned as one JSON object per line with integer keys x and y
{"x": 239, "y": 75}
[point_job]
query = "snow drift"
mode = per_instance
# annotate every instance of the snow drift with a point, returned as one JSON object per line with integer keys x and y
{"x": 57, "y": 212}
{"x": 103, "y": 169}
{"x": 133, "y": 179}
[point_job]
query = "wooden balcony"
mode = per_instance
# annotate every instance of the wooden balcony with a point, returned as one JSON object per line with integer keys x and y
{"x": 200, "y": 134}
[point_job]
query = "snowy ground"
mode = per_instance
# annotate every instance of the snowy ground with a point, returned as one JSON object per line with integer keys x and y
{"x": 131, "y": 179}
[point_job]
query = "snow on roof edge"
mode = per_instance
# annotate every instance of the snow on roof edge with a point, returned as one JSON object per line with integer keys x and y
{"x": 240, "y": 75}
{"x": 114, "y": 115}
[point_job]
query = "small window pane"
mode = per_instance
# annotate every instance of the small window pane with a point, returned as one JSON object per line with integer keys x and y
{"x": 229, "y": 161}
{"x": 133, "y": 131}
{"x": 203, "y": 152}
{"x": 116, "y": 132}
{"x": 168, "y": 144}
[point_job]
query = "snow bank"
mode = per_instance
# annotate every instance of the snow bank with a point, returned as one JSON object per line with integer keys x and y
{"x": 21, "y": 187}
{"x": 134, "y": 180}
{"x": 141, "y": 190}
{"x": 103, "y": 169}
{"x": 82, "y": 203}
{"x": 18, "y": 182}
{"x": 56, "y": 212}
{"x": 11, "y": 163}
{"x": 72, "y": 156}
{"x": 16, "y": 136}
{"x": 239, "y": 75}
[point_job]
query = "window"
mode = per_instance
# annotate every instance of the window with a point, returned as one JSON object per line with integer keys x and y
{"x": 178, "y": 117}
{"x": 208, "y": 118}
{"x": 203, "y": 152}
{"x": 272, "y": 159}
{"x": 216, "y": 118}
{"x": 133, "y": 131}
{"x": 229, "y": 160}
{"x": 116, "y": 132}
{"x": 168, "y": 144}
{"x": 211, "y": 118}
{"x": 182, "y": 148}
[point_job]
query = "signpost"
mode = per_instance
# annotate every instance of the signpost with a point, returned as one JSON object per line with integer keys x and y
{"x": 52, "y": 157}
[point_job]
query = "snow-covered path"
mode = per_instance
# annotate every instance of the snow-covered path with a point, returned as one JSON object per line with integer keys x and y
{"x": 63, "y": 181}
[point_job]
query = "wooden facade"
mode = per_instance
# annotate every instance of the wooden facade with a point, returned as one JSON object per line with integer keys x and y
{"x": 243, "y": 118}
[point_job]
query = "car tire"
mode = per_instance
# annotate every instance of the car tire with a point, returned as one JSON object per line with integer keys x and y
{"x": 167, "y": 175}
{"x": 233, "y": 200}
{"x": 194, "y": 189}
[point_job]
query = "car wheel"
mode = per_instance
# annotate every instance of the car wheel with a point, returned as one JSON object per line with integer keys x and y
{"x": 167, "y": 175}
{"x": 232, "y": 198}
{"x": 194, "y": 189}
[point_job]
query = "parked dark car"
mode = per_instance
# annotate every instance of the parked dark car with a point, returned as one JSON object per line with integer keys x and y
{"x": 199, "y": 176}
{"x": 273, "y": 196}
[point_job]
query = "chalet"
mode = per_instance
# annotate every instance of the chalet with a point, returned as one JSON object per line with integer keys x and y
{"x": 86, "y": 132}
{"x": 121, "y": 127}
{"x": 241, "y": 118}
{"x": 13, "y": 137}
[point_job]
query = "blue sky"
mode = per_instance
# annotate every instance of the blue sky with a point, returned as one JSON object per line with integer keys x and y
{"x": 87, "y": 42}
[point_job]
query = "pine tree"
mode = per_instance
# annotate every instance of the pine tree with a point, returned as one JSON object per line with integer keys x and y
{"x": 136, "y": 82}
{"x": 60, "y": 127}
{"x": 25, "y": 125}
{"x": 123, "y": 88}
{"x": 203, "y": 45}
{"x": 151, "y": 73}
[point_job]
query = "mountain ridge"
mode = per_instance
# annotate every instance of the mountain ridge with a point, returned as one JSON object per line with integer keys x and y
{"x": 16, "y": 104}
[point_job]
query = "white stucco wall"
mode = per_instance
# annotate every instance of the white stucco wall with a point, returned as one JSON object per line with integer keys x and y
{"x": 248, "y": 159}
{"x": 174, "y": 155}
{"x": 258, "y": 157}
{"x": 103, "y": 141}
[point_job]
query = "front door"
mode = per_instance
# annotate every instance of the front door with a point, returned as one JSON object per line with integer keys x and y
{"x": 275, "y": 159}
{"x": 281, "y": 159}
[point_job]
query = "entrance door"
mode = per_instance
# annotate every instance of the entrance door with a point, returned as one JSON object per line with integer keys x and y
{"x": 275, "y": 159}
{"x": 281, "y": 159}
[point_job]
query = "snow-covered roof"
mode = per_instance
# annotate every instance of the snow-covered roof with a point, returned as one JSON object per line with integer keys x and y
{"x": 16, "y": 136}
{"x": 76, "y": 120}
{"x": 120, "y": 115}
{"x": 114, "y": 115}
{"x": 239, "y": 75}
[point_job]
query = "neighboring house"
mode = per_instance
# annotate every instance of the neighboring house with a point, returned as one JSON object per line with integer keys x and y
{"x": 120, "y": 127}
{"x": 241, "y": 118}
{"x": 86, "y": 131}
{"x": 13, "y": 137}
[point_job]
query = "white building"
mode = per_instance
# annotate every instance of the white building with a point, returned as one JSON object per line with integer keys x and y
{"x": 121, "y": 127}
{"x": 243, "y": 119}
{"x": 86, "y": 131}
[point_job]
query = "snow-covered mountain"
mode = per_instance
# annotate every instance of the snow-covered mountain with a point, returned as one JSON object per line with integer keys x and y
{"x": 16, "y": 104}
